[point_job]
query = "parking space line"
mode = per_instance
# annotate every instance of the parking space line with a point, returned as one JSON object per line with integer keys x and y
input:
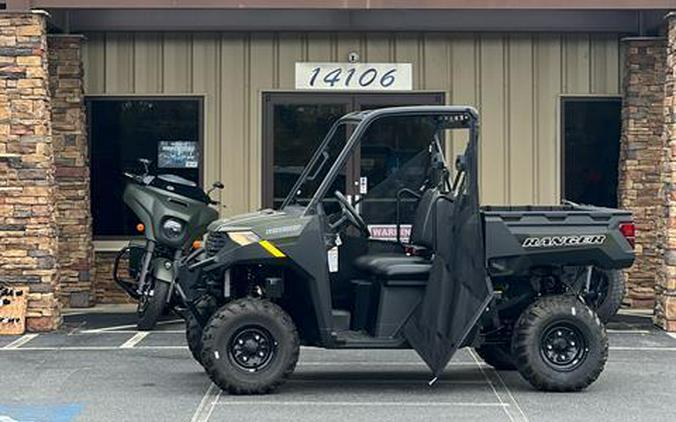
{"x": 20, "y": 341}
{"x": 612, "y": 331}
{"x": 495, "y": 391}
{"x": 136, "y": 339}
{"x": 207, "y": 404}
{"x": 358, "y": 403}
{"x": 644, "y": 348}
{"x": 126, "y": 327}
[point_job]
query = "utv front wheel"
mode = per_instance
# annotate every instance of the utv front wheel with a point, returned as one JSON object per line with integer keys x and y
{"x": 250, "y": 346}
{"x": 193, "y": 335}
{"x": 559, "y": 344}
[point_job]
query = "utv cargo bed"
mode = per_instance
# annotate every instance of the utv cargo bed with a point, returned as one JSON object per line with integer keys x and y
{"x": 520, "y": 238}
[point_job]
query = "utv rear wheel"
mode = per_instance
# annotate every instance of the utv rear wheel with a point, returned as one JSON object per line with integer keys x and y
{"x": 607, "y": 291}
{"x": 559, "y": 344}
{"x": 250, "y": 346}
{"x": 151, "y": 305}
{"x": 499, "y": 356}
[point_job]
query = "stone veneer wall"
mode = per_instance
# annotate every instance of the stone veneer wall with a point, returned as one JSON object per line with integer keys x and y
{"x": 71, "y": 156}
{"x": 105, "y": 289}
{"x": 28, "y": 232}
{"x": 665, "y": 306}
{"x": 640, "y": 160}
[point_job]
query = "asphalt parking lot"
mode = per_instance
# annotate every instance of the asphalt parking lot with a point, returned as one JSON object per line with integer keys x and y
{"x": 99, "y": 368}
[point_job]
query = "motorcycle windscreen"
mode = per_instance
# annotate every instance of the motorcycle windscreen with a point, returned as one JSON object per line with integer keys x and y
{"x": 458, "y": 289}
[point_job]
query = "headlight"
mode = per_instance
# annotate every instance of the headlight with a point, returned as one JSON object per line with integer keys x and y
{"x": 172, "y": 228}
{"x": 244, "y": 238}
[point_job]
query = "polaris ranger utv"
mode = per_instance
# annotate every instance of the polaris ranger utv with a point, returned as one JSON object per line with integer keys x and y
{"x": 509, "y": 281}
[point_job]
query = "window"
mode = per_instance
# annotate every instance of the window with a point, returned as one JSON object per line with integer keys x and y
{"x": 165, "y": 130}
{"x": 591, "y": 139}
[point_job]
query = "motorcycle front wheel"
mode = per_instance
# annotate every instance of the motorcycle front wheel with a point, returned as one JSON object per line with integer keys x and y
{"x": 151, "y": 305}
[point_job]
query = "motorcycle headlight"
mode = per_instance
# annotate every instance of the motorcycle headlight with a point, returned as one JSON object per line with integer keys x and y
{"x": 172, "y": 228}
{"x": 243, "y": 238}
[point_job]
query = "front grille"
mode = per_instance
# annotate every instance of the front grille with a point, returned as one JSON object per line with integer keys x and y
{"x": 215, "y": 242}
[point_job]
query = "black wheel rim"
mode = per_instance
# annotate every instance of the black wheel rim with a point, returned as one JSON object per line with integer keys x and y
{"x": 563, "y": 347}
{"x": 252, "y": 348}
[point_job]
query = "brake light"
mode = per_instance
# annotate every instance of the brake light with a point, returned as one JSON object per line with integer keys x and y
{"x": 628, "y": 230}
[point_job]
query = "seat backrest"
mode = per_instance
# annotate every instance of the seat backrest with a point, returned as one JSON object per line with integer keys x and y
{"x": 422, "y": 230}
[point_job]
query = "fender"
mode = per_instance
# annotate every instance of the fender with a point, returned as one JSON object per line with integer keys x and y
{"x": 163, "y": 270}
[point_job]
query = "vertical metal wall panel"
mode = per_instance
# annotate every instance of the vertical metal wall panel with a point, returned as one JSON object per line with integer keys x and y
{"x": 548, "y": 85}
{"x": 148, "y": 62}
{"x": 494, "y": 181}
{"x": 205, "y": 72}
{"x": 177, "y": 63}
{"x": 119, "y": 62}
{"x": 520, "y": 109}
{"x": 232, "y": 121}
{"x": 515, "y": 80}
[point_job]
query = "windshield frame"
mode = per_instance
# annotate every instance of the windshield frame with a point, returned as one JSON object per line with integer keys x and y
{"x": 363, "y": 120}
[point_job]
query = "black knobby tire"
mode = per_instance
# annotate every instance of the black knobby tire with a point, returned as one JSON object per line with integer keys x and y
{"x": 149, "y": 314}
{"x": 238, "y": 318}
{"x": 193, "y": 335}
{"x": 609, "y": 285}
{"x": 499, "y": 356}
{"x": 536, "y": 332}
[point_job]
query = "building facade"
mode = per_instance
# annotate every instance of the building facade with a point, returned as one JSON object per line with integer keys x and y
{"x": 574, "y": 102}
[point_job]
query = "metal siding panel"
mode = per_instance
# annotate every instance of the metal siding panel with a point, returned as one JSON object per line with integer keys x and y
{"x": 578, "y": 64}
{"x": 347, "y": 43}
{"x": 408, "y": 50}
{"x": 465, "y": 65}
{"x": 290, "y": 47}
{"x": 604, "y": 64}
{"x": 176, "y": 55}
{"x": 206, "y": 80}
{"x": 320, "y": 47}
{"x": 378, "y": 47}
{"x": 548, "y": 82}
{"x": 261, "y": 78}
{"x": 119, "y": 63}
{"x": 520, "y": 141}
{"x": 147, "y": 63}
{"x": 233, "y": 117}
{"x": 494, "y": 183}
{"x": 94, "y": 63}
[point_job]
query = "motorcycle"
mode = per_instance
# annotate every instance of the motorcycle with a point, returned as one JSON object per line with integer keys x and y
{"x": 174, "y": 214}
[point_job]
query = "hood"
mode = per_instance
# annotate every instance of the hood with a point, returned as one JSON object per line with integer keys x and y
{"x": 255, "y": 221}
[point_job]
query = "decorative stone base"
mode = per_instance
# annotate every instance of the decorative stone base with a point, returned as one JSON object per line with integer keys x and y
{"x": 106, "y": 290}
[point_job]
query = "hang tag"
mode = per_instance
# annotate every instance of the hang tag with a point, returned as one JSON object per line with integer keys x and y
{"x": 332, "y": 257}
{"x": 339, "y": 241}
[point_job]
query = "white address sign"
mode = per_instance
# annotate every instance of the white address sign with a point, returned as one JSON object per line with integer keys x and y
{"x": 354, "y": 76}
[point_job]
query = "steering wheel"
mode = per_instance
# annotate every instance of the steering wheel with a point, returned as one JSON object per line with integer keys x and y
{"x": 350, "y": 215}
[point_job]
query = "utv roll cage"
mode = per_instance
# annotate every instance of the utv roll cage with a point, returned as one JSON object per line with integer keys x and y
{"x": 448, "y": 117}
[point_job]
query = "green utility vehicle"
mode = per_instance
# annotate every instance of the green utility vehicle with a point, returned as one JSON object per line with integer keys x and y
{"x": 510, "y": 282}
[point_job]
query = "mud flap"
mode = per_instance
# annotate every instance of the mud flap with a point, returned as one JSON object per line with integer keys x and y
{"x": 459, "y": 288}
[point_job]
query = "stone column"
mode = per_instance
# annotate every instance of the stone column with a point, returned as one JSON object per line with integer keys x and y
{"x": 28, "y": 234}
{"x": 69, "y": 134}
{"x": 665, "y": 306}
{"x": 640, "y": 157}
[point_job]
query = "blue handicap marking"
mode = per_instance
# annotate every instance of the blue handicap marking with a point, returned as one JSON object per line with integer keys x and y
{"x": 39, "y": 413}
